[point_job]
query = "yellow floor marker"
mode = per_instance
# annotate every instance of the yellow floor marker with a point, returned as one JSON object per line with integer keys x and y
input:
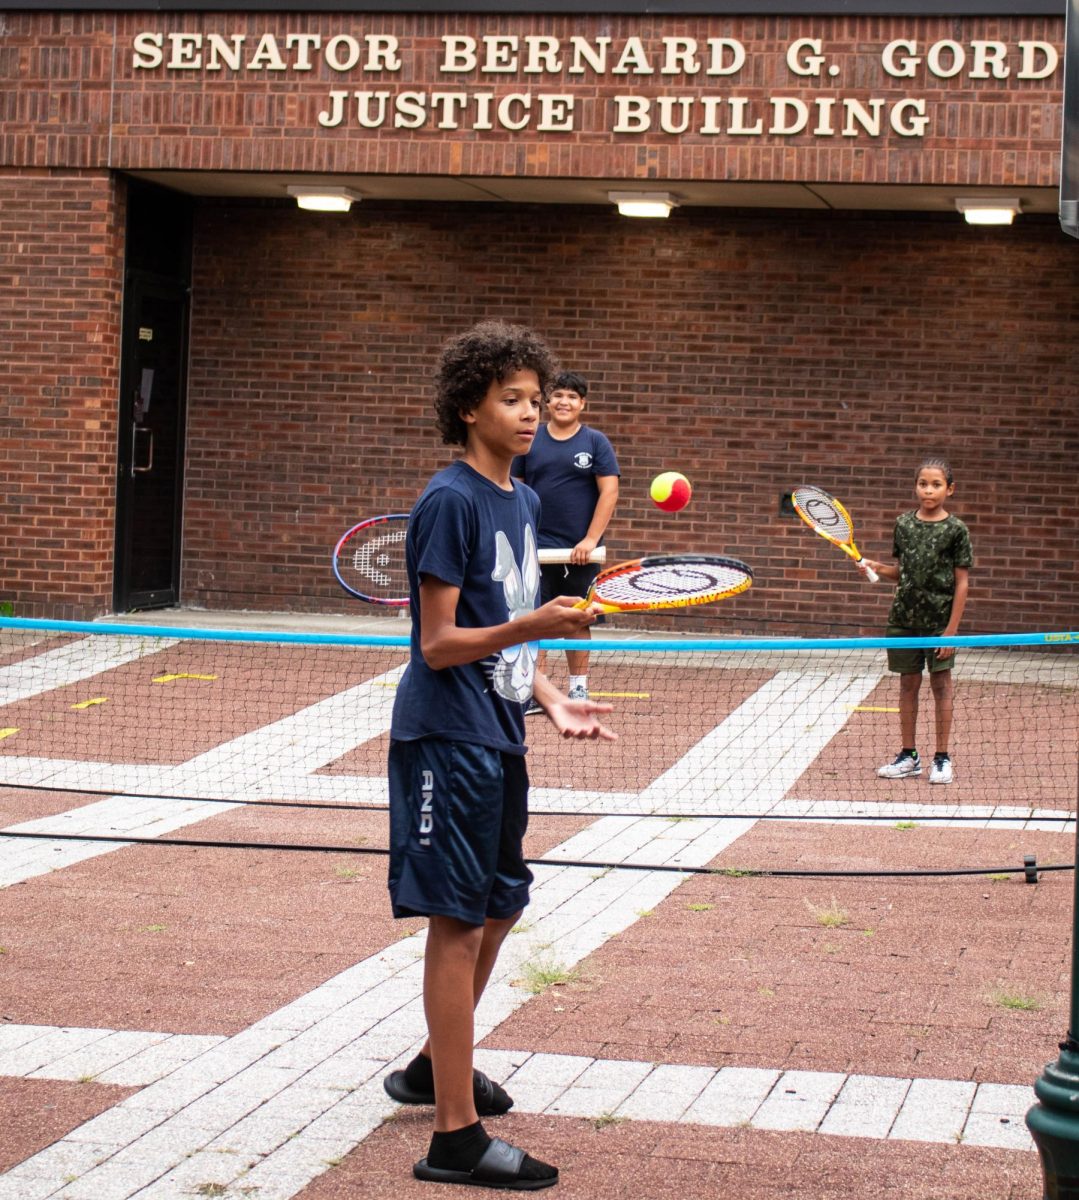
{"x": 8, "y": 732}
{"x": 868, "y": 708}
{"x": 91, "y": 703}
{"x": 180, "y": 675}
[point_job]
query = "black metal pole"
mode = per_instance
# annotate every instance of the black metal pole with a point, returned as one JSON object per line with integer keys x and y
{"x": 1054, "y": 1121}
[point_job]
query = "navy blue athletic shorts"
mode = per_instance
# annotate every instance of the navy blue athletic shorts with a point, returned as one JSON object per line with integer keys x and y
{"x": 567, "y": 579}
{"x": 458, "y": 815}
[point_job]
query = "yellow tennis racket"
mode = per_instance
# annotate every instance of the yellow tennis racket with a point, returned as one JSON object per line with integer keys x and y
{"x": 667, "y": 581}
{"x": 826, "y": 516}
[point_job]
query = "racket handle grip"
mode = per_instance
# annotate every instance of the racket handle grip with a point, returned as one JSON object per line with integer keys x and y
{"x": 870, "y": 574}
{"x": 604, "y": 608}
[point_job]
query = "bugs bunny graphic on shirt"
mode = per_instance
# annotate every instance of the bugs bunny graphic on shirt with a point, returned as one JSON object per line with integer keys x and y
{"x": 515, "y": 667}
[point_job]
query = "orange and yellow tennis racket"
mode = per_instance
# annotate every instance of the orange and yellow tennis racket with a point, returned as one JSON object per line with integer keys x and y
{"x": 667, "y": 581}
{"x": 826, "y": 516}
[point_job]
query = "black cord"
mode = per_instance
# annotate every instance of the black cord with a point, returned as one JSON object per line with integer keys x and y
{"x": 917, "y": 819}
{"x": 731, "y": 872}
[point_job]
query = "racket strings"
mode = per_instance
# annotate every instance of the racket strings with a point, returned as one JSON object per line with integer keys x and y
{"x": 822, "y": 511}
{"x": 670, "y": 585}
{"x": 380, "y": 560}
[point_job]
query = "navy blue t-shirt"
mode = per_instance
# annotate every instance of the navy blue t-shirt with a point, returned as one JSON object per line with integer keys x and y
{"x": 564, "y": 476}
{"x": 468, "y": 532}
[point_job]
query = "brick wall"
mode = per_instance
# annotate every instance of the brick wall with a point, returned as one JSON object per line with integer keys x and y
{"x": 751, "y": 350}
{"x": 61, "y": 254}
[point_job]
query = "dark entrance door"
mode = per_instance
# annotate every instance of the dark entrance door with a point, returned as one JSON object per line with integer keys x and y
{"x": 150, "y": 459}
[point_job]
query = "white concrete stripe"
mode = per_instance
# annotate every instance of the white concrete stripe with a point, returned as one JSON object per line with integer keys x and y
{"x": 126, "y": 1057}
{"x": 799, "y": 1101}
{"x": 79, "y": 660}
{"x": 760, "y": 750}
{"x": 825, "y": 1102}
{"x": 372, "y": 1012}
{"x": 300, "y": 742}
{"x": 23, "y": 859}
{"x": 866, "y": 1106}
{"x": 732, "y": 1096}
{"x": 935, "y": 1110}
{"x": 946, "y": 1110}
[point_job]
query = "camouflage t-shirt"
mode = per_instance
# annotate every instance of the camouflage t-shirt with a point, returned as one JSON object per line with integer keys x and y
{"x": 928, "y": 554}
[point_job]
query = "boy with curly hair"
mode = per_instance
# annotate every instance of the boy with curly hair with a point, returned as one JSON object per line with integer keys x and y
{"x": 458, "y": 783}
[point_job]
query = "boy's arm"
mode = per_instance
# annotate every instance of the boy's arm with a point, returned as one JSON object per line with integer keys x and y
{"x": 443, "y": 643}
{"x": 959, "y": 603}
{"x": 890, "y": 570}
{"x": 601, "y": 518}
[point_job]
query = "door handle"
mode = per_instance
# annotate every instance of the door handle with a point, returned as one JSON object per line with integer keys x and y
{"x": 147, "y": 447}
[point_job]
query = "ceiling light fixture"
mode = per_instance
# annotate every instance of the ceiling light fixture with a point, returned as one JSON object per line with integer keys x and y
{"x": 324, "y": 199}
{"x": 989, "y": 210}
{"x": 643, "y": 204}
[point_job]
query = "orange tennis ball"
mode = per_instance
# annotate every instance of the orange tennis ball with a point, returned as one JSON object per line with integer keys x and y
{"x": 670, "y": 491}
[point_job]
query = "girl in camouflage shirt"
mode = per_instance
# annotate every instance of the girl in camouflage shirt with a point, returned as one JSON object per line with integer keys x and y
{"x": 934, "y": 557}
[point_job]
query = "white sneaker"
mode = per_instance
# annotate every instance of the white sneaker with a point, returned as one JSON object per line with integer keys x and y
{"x": 941, "y": 771}
{"x": 578, "y": 693}
{"x": 905, "y": 766}
{"x": 534, "y": 709}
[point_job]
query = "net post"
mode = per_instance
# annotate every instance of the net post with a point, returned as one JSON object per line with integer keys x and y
{"x": 1069, "y": 150}
{"x": 1054, "y": 1120}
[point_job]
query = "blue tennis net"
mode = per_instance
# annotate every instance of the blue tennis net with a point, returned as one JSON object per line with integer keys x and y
{"x": 173, "y": 718}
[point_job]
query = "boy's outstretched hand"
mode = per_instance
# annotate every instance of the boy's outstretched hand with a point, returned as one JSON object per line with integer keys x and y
{"x": 572, "y": 718}
{"x": 580, "y": 719}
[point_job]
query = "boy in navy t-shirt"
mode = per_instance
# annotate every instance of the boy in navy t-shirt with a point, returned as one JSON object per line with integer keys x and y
{"x": 458, "y": 783}
{"x": 574, "y": 471}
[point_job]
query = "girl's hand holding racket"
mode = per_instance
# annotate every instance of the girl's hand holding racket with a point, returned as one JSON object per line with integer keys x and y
{"x": 871, "y": 569}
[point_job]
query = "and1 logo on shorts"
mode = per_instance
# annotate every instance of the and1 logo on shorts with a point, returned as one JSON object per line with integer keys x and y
{"x": 427, "y": 807}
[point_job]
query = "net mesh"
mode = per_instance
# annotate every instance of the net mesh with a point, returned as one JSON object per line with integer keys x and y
{"x": 798, "y": 729}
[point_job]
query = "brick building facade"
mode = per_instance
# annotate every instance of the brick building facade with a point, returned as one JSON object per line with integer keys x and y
{"x": 814, "y": 310}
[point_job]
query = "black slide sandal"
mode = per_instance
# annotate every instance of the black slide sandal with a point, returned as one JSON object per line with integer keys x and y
{"x": 500, "y": 1167}
{"x": 491, "y": 1099}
